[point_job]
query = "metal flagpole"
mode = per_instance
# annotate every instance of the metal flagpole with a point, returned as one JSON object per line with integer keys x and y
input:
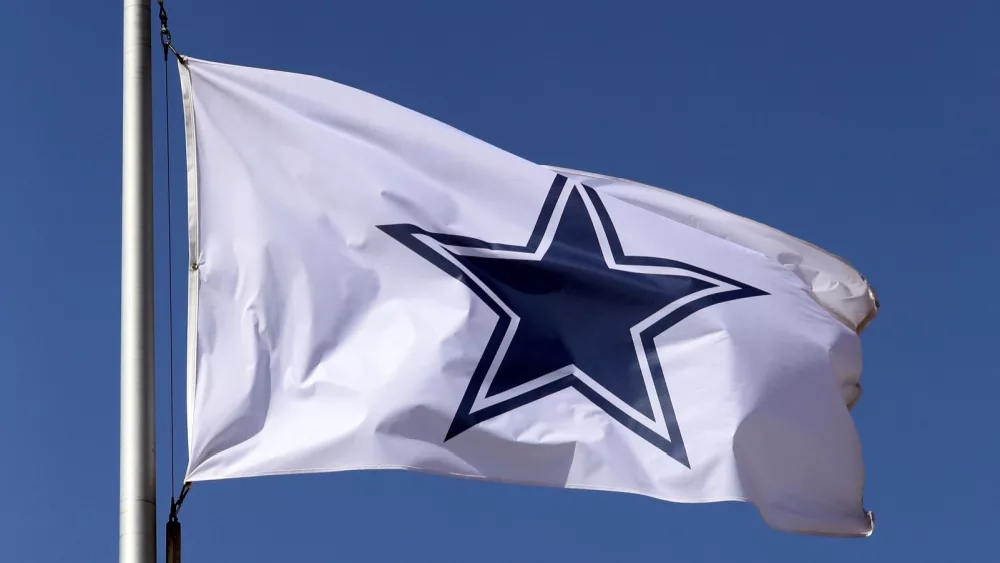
{"x": 137, "y": 499}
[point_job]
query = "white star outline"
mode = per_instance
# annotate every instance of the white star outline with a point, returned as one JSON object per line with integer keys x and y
{"x": 658, "y": 424}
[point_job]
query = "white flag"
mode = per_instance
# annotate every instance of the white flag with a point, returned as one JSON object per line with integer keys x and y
{"x": 374, "y": 289}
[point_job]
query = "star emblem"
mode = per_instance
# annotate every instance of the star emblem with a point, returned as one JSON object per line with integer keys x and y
{"x": 574, "y": 312}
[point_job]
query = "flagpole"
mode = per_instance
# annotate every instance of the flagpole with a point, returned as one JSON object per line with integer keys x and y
{"x": 137, "y": 497}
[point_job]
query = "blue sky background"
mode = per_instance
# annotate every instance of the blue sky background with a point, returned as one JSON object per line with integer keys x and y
{"x": 869, "y": 128}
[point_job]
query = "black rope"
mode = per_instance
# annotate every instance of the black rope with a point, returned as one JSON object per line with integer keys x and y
{"x": 166, "y": 42}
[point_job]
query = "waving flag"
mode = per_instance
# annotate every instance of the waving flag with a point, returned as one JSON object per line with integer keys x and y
{"x": 371, "y": 288}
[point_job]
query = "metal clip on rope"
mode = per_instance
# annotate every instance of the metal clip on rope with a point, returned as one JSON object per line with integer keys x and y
{"x": 165, "y": 39}
{"x": 173, "y": 535}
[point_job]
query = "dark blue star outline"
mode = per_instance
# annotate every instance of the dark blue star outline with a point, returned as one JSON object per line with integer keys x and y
{"x": 464, "y": 417}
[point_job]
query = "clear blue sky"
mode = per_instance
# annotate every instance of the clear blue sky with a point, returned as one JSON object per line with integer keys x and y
{"x": 869, "y": 128}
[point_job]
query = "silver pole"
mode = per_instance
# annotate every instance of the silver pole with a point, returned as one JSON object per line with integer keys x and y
{"x": 137, "y": 499}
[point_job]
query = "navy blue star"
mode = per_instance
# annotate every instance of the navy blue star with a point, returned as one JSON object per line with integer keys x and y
{"x": 574, "y": 311}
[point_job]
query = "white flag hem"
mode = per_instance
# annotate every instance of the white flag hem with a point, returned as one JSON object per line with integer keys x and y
{"x": 191, "y": 150}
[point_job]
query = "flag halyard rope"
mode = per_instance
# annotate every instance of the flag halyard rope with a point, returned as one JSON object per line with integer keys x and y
{"x": 173, "y": 527}
{"x": 166, "y": 41}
